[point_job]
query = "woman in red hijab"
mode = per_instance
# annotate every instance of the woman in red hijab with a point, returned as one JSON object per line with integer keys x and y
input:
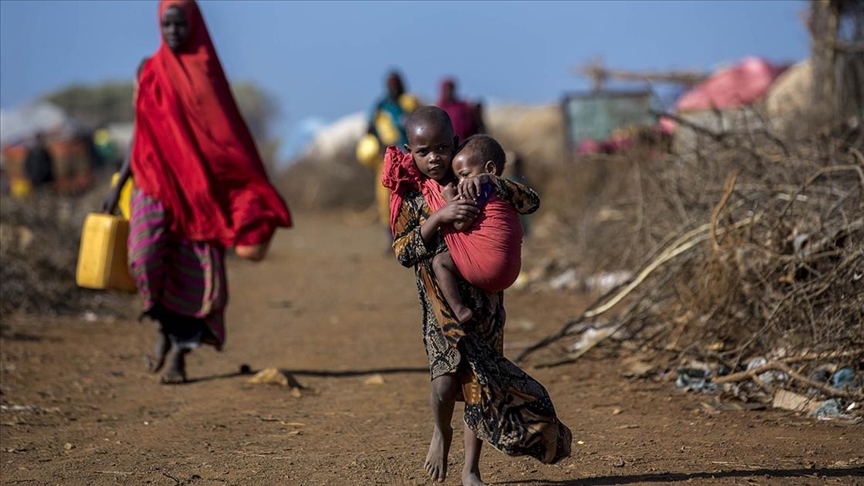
{"x": 467, "y": 118}
{"x": 200, "y": 187}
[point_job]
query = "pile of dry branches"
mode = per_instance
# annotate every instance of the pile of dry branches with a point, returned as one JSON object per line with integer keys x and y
{"x": 39, "y": 239}
{"x": 747, "y": 246}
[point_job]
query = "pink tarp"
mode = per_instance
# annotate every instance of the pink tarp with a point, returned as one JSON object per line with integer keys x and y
{"x": 738, "y": 85}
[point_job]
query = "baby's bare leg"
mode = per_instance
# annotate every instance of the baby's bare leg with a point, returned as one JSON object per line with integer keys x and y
{"x": 447, "y": 274}
{"x": 471, "y": 470}
{"x": 443, "y": 399}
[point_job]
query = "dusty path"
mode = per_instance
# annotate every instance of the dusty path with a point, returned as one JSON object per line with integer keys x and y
{"x": 328, "y": 305}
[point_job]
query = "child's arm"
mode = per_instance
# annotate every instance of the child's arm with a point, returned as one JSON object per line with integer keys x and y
{"x": 458, "y": 210}
{"x": 411, "y": 234}
{"x": 523, "y": 199}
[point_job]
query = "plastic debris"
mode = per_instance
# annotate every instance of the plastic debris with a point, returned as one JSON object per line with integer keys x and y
{"x": 844, "y": 378}
{"x": 829, "y": 409}
{"x": 695, "y": 379}
{"x": 772, "y": 376}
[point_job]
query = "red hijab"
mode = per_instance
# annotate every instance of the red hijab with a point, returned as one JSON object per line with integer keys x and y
{"x": 193, "y": 152}
{"x": 462, "y": 114}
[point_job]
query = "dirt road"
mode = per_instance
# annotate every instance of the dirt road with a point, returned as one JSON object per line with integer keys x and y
{"x": 78, "y": 407}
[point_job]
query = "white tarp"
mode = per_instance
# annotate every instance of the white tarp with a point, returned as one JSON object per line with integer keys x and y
{"x": 23, "y": 123}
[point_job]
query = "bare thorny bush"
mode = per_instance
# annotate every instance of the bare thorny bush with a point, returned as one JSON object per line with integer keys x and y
{"x": 39, "y": 243}
{"x": 747, "y": 245}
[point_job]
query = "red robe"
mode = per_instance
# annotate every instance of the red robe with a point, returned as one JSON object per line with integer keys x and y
{"x": 192, "y": 150}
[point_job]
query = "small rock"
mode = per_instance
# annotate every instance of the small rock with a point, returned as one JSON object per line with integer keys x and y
{"x": 274, "y": 376}
{"x": 68, "y": 446}
{"x": 376, "y": 379}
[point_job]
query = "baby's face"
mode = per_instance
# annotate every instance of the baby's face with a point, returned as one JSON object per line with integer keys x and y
{"x": 468, "y": 163}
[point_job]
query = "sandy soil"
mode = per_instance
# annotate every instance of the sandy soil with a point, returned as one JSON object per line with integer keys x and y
{"x": 331, "y": 307}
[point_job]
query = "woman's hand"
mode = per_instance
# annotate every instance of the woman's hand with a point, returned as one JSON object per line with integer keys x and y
{"x": 109, "y": 204}
{"x": 472, "y": 187}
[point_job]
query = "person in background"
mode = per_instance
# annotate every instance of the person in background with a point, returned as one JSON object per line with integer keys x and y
{"x": 39, "y": 165}
{"x": 200, "y": 187}
{"x": 467, "y": 118}
{"x": 387, "y": 123}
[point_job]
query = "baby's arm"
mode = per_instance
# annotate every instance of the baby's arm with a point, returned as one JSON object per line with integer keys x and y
{"x": 450, "y": 193}
{"x": 411, "y": 233}
{"x": 523, "y": 199}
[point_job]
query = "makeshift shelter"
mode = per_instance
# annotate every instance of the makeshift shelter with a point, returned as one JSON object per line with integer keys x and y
{"x": 732, "y": 87}
{"x": 723, "y": 102}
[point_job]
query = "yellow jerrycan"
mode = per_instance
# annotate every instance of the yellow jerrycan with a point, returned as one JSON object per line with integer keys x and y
{"x": 102, "y": 257}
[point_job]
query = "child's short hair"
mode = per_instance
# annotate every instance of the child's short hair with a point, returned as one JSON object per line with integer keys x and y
{"x": 488, "y": 149}
{"x": 431, "y": 115}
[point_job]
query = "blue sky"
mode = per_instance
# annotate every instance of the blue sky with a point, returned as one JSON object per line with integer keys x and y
{"x": 325, "y": 59}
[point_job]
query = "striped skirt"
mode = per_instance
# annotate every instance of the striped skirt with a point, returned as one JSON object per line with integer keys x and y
{"x": 182, "y": 282}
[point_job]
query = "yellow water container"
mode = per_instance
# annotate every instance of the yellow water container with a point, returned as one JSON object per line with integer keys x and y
{"x": 102, "y": 257}
{"x": 124, "y": 203}
{"x": 368, "y": 151}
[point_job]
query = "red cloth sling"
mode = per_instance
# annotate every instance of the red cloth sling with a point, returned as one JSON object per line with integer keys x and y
{"x": 192, "y": 150}
{"x": 489, "y": 254}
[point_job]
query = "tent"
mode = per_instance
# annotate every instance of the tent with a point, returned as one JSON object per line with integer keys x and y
{"x": 732, "y": 87}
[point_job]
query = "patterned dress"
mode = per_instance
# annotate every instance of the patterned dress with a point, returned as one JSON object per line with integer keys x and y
{"x": 181, "y": 282}
{"x": 513, "y": 412}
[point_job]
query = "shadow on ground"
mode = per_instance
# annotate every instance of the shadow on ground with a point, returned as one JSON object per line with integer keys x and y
{"x": 666, "y": 477}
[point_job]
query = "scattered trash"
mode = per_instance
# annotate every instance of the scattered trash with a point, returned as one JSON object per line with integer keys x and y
{"x": 695, "y": 379}
{"x": 604, "y": 282}
{"x": 794, "y": 402}
{"x": 829, "y": 409}
{"x": 772, "y": 376}
{"x": 844, "y": 378}
{"x": 567, "y": 280}
{"x": 593, "y": 335}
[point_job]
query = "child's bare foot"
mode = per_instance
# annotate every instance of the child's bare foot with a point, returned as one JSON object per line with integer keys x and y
{"x": 176, "y": 372}
{"x": 156, "y": 361}
{"x": 463, "y": 314}
{"x": 471, "y": 477}
{"x": 439, "y": 448}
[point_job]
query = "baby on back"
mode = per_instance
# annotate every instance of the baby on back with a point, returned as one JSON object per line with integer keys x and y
{"x": 486, "y": 251}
